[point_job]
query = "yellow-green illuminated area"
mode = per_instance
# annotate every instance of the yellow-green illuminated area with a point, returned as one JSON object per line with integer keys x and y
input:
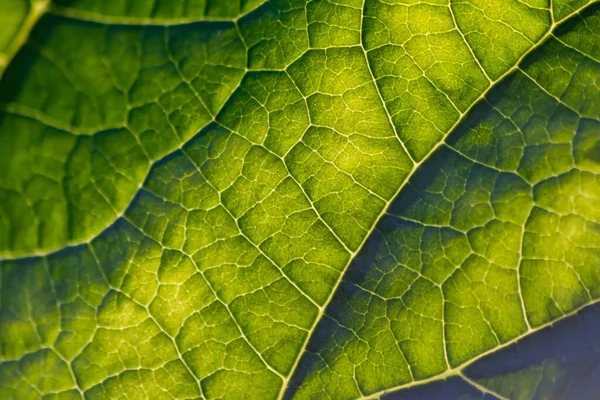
{"x": 299, "y": 199}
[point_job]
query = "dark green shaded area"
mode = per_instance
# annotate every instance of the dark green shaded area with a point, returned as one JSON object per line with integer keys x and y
{"x": 78, "y": 137}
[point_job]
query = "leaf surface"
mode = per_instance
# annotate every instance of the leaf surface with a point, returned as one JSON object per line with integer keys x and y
{"x": 183, "y": 187}
{"x": 496, "y": 235}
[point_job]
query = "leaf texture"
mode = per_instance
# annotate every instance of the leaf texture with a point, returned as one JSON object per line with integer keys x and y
{"x": 221, "y": 199}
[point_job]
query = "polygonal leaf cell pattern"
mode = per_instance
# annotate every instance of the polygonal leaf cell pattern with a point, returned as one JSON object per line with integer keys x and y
{"x": 298, "y": 199}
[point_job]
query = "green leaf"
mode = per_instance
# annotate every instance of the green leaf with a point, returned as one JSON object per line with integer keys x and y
{"x": 221, "y": 199}
{"x": 496, "y": 235}
{"x": 17, "y": 18}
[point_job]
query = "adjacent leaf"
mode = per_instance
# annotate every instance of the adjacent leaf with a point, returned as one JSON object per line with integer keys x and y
{"x": 17, "y": 18}
{"x": 179, "y": 198}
